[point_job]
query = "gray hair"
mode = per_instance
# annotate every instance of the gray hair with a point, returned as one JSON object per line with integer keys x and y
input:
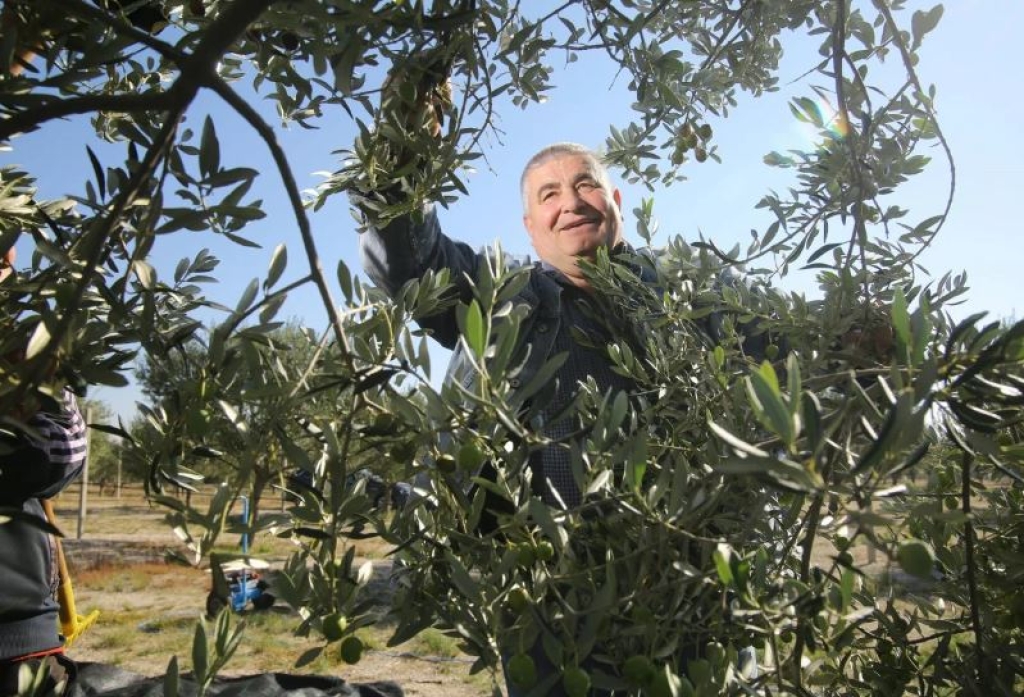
{"x": 557, "y": 150}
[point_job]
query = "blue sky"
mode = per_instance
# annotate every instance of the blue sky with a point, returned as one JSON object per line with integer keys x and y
{"x": 971, "y": 58}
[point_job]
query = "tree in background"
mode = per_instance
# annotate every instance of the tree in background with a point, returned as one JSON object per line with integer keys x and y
{"x": 274, "y": 377}
{"x": 104, "y": 449}
{"x": 671, "y": 552}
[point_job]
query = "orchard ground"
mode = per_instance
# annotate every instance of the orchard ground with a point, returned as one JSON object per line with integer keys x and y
{"x": 149, "y": 608}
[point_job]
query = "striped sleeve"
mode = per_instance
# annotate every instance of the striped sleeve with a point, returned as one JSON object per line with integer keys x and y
{"x": 62, "y": 436}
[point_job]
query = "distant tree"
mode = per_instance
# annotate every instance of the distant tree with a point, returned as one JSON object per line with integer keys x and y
{"x": 158, "y": 376}
{"x": 246, "y": 403}
{"x": 104, "y": 449}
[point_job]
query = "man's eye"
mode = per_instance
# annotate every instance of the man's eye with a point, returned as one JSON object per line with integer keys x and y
{"x": 587, "y": 186}
{"x": 547, "y": 195}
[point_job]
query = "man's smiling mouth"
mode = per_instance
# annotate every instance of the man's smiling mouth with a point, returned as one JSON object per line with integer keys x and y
{"x": 580, "y": 223}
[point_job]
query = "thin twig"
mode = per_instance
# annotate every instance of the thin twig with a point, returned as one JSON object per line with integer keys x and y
{"x": 810, "y": 535}
{"x": 971, "y": 565}
{"x": 303, "y": 381}
{"x": 908, "y": 65}
{"x": 859, "y": 229}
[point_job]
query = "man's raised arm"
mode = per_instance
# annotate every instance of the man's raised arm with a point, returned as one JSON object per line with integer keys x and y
{"x": 406, "y": 247}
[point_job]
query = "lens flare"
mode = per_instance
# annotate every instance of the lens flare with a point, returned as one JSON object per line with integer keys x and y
{"x": 834, "y": 122}
{"x": 818, "y": 124}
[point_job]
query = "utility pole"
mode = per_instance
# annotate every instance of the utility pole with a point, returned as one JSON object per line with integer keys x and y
{"x": 85, "y": 475}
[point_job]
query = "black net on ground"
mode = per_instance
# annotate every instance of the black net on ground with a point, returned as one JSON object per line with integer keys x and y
{"x": 95, "y": 679}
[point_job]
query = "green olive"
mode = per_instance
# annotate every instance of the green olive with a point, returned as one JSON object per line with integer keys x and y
{"x": 526, "y": 555}
{"x": 916, "y": 558}
{"x": 518, "y": 600}
{"x": 470, "y": 457}
{"x": 522, "y": 672}
{"x": 446, "y": 463}
{"x": 351, "y": 650}
{"x": 638, "y": 669}
{"x": 334, "y": 626}
{"x": 576, "y": 682}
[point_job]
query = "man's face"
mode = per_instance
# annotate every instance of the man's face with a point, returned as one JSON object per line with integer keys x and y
{"x": 570, "y": 213}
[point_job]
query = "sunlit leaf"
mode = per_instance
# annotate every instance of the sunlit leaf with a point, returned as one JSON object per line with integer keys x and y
{"x": 278, "y": 262}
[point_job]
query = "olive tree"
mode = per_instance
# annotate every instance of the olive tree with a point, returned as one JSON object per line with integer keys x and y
{"x": 725, "y": 500}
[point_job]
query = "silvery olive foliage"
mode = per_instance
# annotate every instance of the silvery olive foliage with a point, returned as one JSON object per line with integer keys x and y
{"x": 728, "y": 501}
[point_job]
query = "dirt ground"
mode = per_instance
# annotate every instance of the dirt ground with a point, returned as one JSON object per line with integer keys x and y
{"x": 148, "y": 610}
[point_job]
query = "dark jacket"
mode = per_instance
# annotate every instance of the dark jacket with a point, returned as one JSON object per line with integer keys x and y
{"x": 34, "y": 467}
{"x": 406, "y": 249}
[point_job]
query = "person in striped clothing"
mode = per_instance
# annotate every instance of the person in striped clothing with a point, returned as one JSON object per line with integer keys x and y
{"x": 40, "y": 454}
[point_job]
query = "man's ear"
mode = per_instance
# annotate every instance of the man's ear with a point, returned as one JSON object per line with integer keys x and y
{"x": 526, "y": 224}
{"x": 617, "y": 197}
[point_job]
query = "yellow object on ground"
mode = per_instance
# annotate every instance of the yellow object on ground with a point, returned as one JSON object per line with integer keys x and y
{"x": 71, "y": 623}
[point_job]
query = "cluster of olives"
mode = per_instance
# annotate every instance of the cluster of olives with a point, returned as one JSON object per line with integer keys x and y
{"x": 522, "y": 672}
{"x": 469, "y": 459}
{"x": 334, "y": 627}
{"x": 692, "y": 137}
{"x": 639, "y": 671}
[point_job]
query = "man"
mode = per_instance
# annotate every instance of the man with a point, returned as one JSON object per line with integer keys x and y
{"x": 35, "y": 463}
{"x": 570, "y": 212}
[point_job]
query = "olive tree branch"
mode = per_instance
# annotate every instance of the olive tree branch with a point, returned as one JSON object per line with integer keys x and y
{"x": 195, "y": 72}
{"x": 197, "y": 69}
{"x": 908, "y": 65}
{"x": 554, "y": 13}
{"x": 95, "y": 243}
{"x": 28, "y": 120}
{"x": 724, "y": 39}
{"x": 295, "y": 199}
{"x": 303, "y": 380}
{"x": 859, "y": 238}
{"x": 813, "y": 519}
{"x": 123, "y": 26}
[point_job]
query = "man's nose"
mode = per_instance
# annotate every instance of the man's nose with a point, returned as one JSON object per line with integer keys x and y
{"x": 572, "y": 201}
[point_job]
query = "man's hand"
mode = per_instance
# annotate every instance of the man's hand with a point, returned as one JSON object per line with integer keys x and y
{"x": 393, "y": 173}
{"x": 419, "y": 96}
{"x": 875, "y": 342}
